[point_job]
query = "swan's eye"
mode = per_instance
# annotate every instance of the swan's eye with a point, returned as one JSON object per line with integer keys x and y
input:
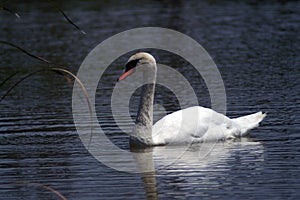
{"x": 129, "y": 69}
{"x": 131, "y": 64}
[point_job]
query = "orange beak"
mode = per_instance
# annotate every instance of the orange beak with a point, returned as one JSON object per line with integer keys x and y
{"x": 125, "y": 74}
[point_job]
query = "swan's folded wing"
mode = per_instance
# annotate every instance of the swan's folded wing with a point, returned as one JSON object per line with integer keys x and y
{"x": 184, "y": 126}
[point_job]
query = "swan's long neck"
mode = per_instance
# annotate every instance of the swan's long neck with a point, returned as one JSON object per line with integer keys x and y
{"x": 145, "y": 112}
{"x": 142, "y": 134}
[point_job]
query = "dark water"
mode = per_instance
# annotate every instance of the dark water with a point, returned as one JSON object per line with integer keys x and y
{"x": 256, "y": 48}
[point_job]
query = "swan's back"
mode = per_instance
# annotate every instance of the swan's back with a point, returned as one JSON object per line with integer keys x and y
{"x": 199, "y": 124}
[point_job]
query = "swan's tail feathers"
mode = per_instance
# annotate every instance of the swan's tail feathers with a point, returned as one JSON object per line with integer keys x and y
{"x": 249, "y": 122}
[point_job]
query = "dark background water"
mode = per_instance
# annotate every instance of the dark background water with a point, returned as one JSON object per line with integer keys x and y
{"x": 255, "y": 45}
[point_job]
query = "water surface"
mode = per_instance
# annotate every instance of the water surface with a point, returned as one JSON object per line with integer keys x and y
{"x": 256, "y": 48}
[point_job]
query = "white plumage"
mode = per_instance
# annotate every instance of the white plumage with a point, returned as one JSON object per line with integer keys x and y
{"x": 199, "y": 124}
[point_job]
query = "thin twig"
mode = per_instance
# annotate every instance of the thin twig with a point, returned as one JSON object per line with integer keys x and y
{"x": 9, "y": 77}
{"x": 68, "y": 18}
{"x": 10, "y": 11}
{"x": 18, "y": 82}
{"x": 26, "y": 52}
{"x": 71, "y": 22}
{"x": 42, "y": 186}
{"x": 86, "y": 96}
{"x": 55, "y": 69}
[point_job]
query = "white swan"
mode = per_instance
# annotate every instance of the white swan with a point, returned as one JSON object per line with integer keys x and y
{"x": 190, "y": 125}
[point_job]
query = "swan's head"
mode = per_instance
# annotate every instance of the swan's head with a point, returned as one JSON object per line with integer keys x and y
{"x": 140, "y": 60}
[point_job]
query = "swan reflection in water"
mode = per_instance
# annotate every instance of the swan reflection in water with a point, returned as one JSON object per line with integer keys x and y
{"x": 197, "y": 161}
